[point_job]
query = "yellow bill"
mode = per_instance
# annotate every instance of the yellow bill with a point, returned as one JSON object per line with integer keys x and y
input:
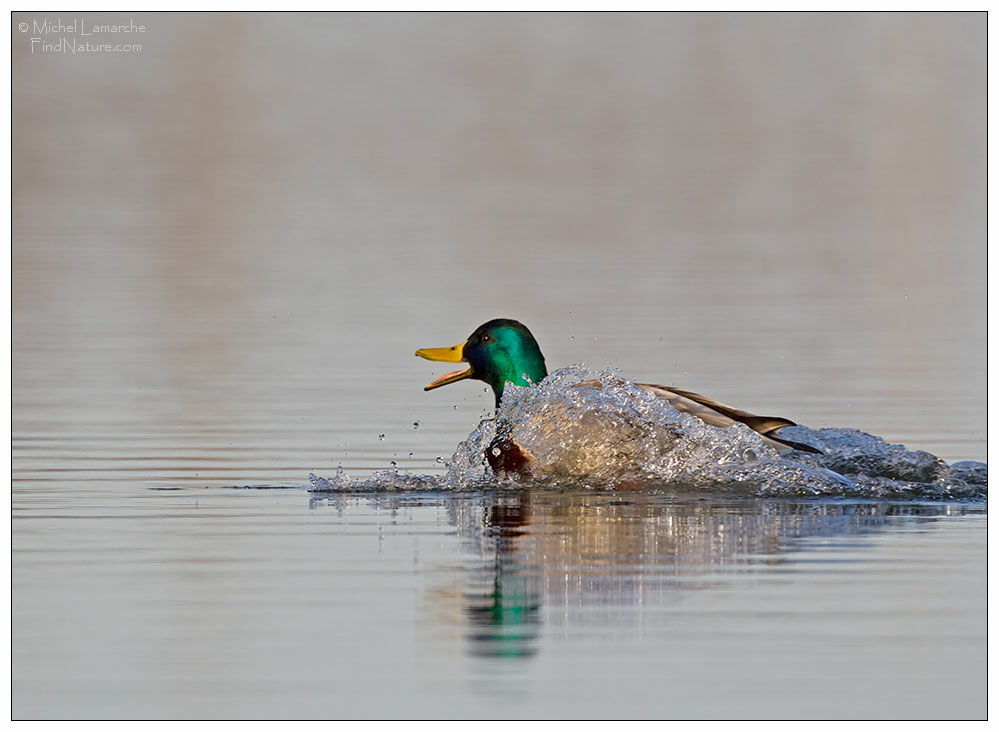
{"x": 450, "y": 355}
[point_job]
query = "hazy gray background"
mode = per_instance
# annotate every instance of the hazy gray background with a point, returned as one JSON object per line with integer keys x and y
{"x": 228, "y": 245}
{"x": 235, "y": 238}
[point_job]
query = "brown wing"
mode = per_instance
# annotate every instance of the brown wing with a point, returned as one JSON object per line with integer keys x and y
{"x": 722, "y": 415}
{"x": 717, "y": 414}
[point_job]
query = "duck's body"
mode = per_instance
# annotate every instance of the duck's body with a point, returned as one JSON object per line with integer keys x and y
{"x": 717, "y": 414}
{"x": 503, "y": 352}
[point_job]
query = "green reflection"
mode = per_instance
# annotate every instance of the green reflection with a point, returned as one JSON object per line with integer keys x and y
{"x": 505, "y": 616}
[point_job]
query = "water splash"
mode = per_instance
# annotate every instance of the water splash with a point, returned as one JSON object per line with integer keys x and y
{"x": 380, "y": 481}
{"x": 597, "y": 430}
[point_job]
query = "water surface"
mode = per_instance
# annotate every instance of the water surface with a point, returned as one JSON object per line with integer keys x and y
{"x": 261, "y": 603}
{"x": 227, "y": 246}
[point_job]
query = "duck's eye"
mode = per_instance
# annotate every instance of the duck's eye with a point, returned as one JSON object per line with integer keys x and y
{"x": 486, "y": 338}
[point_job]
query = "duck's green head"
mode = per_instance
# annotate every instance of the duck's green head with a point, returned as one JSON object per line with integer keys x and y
{"x": 498, "y": 352}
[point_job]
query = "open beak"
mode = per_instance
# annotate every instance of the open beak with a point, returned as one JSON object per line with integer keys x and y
{"x": 450, "y": 355}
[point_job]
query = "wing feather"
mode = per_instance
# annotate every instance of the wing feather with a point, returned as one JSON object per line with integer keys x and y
{"x": 716, "y": 414}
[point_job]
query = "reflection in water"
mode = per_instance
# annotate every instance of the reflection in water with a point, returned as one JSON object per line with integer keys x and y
{"x": 548, "y": 555}
{"x": 503, "y": 602}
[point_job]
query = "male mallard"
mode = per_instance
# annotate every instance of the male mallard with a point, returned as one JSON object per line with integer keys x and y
{"x": 504, "y": 351}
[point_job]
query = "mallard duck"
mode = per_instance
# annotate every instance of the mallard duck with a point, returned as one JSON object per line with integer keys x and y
{"x": 504, "y": 351}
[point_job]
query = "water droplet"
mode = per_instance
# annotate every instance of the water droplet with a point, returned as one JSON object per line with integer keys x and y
{"x": 394, "y": 464}
{"x": 381, "y": 437}
{"x": 416, "y": 425}
{"x": 440, "y": 460}
{"x": 572, "y": 338}
{"x": 411, "y": 454}
{"x": 455, "y": 407}
{"x": 571, "y": 313}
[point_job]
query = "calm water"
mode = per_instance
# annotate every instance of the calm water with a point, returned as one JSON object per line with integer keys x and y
{"x": 264, "y": 603}
{"x": 228, "y": 244}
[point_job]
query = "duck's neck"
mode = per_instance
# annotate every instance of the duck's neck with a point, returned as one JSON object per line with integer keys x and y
{"x": 527, "y": 370}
